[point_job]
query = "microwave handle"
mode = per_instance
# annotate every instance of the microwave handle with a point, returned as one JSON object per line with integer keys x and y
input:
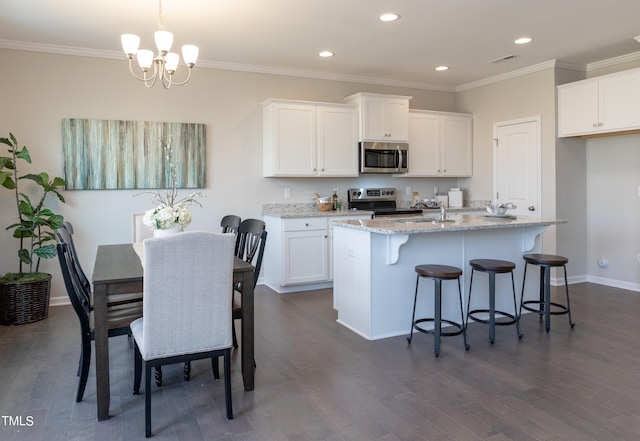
{"x": 398, "y": 158}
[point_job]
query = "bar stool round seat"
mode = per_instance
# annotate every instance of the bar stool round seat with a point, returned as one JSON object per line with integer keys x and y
{"x": 438, "y": 273}
{"x": 544, "y": 307}
{"x": 493, "y": 267}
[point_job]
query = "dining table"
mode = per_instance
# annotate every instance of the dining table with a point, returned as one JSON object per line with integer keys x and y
{"x": 118, "y": 270}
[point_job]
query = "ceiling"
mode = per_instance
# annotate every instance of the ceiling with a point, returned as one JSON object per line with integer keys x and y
{"x": 284, "y": 36}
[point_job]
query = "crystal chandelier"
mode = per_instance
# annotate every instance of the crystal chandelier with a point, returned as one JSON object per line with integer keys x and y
{"x": 165, "y": 63}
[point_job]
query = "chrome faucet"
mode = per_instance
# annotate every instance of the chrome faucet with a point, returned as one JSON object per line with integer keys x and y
{"x": 443, "y": 212}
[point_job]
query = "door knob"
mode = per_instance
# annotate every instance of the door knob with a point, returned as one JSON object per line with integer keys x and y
{"x": 532, "y": 208}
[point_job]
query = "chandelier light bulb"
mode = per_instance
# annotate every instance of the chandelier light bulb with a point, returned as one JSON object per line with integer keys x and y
{"x": 190, "y": 54}
{"x": 164, "y": 40}
{"x": 145, "y": 59}
{"x": 130, "y": 44}
{"x": 172, "y": 59}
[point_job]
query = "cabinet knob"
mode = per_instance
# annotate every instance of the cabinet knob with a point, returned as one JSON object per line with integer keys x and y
{"x": 306, "y": 225}
{"x": 595, "y": 125}
{"x": 532, "y": 208}
{"x": 600, "y": 124}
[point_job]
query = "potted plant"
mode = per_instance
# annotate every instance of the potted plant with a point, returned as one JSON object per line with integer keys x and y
{"x": 24, "y": 295}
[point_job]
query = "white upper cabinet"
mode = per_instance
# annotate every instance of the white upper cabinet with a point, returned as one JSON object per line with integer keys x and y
{"x": 337, "y": 140}
{"x": 382, "y": 117}
{"x": 309, "y": 139}
{"x": 440, "y": 144}
{"x": 606, "y": 104}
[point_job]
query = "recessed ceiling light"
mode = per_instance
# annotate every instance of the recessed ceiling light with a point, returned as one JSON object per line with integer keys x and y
{"x": 326, "y": 54}
{"x": 440, "y": 68}
{"x": 523, "y": 40}
{"x": 389, "y": 16}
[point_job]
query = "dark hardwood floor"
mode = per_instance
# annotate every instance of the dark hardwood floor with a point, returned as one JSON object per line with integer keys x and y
{"x": 318, "y": 381}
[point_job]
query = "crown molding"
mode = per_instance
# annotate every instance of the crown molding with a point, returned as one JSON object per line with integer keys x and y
{"x": 508, "y": 75}
{"x": 634, "y": 56}
{"x": 207, "y": 64}
{"x": 117, "y": 55}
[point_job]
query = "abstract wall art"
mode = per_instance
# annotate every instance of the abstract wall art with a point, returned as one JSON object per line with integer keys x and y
{"x": 106, "y": 154}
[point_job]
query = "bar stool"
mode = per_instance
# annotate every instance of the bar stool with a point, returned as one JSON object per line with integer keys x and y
{"x": 544, "y": 303}
{"x": 438, "y": 273}
{"x": 493, "y": 267}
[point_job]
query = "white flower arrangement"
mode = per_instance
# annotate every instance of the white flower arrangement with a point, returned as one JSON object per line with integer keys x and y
{"x": 171, "y": 212}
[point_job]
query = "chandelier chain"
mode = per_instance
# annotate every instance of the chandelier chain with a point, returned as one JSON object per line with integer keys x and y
{"x": 161, "y": 22}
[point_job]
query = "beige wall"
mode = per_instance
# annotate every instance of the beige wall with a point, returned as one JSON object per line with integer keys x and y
{"x": 524, "y": 96}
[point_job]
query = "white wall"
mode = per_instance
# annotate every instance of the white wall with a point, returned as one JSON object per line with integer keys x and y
{"x": 39, "y": 90}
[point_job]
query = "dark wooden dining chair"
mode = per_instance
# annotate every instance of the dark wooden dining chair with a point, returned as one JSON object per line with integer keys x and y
{"x": 188, "y": 281}
{"x": 117, "y": 324}
{"x": 122, "y": 309}
{"x": 230, "y": 223}
{"x": 250, "y": 242}
{"x": 251, "y": 238}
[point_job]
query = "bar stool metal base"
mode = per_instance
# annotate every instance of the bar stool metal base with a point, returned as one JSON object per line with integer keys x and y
{"x": 544, "y": 306}
{"x": 438, "y": 273}
{"x": 496, "y": 317}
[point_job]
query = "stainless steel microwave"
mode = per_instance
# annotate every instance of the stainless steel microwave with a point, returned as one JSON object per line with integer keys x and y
{"x": 384, "y": 157}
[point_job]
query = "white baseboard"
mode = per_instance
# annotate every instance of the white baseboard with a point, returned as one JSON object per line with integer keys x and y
{"x": 59, "y": 301}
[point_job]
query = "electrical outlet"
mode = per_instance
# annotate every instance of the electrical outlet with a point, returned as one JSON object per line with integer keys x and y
{"x": 407, "y": 190}
{"x": 287, "y": 193}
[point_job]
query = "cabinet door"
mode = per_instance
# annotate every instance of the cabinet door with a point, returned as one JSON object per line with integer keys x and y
{"x": 398, "y": 120}
{"x": 456, "y": 145}
{"x": 306, "y": 257}
{"x": 578, "y": 109}
{"x": 337, "y": 144}
{"x": 424, "y": 151}
{"x": 290, "y": 140}
{"x": 619, "y": 102}
{"x": 375, "y": 119}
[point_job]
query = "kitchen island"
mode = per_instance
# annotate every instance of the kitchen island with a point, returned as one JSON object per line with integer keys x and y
{"x": 374, "y": 260}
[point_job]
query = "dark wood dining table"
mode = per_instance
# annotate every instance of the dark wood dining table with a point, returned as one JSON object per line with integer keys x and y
{"x": 118, "y": 270}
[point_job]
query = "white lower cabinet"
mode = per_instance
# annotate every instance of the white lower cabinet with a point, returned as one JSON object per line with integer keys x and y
{"x": 305, "y": 253}
{"x": 298, "y": 252}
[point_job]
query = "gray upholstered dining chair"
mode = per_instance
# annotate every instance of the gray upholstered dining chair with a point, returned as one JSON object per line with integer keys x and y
{"x": 188, "y": 280}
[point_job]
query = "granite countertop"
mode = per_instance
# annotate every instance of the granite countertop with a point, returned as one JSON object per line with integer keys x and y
{"x": 310, "y": 210}
{"x": 306, "y": 210}
{"x": 458, "y": 222}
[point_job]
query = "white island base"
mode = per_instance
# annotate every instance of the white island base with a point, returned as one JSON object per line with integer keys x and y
{"x": 374, "y": 270}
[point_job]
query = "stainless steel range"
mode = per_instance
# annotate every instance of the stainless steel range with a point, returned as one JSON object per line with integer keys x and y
{"x": 382, "y": 201}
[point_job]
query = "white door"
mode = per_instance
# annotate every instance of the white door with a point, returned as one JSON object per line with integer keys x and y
{"x": 516, "y": 165}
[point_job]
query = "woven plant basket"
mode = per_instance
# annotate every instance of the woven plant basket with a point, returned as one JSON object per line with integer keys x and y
{"x": 24, "y": 302}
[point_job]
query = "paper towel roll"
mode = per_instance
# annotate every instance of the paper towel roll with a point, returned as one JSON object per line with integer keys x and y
{"x": 455, "y": 198}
